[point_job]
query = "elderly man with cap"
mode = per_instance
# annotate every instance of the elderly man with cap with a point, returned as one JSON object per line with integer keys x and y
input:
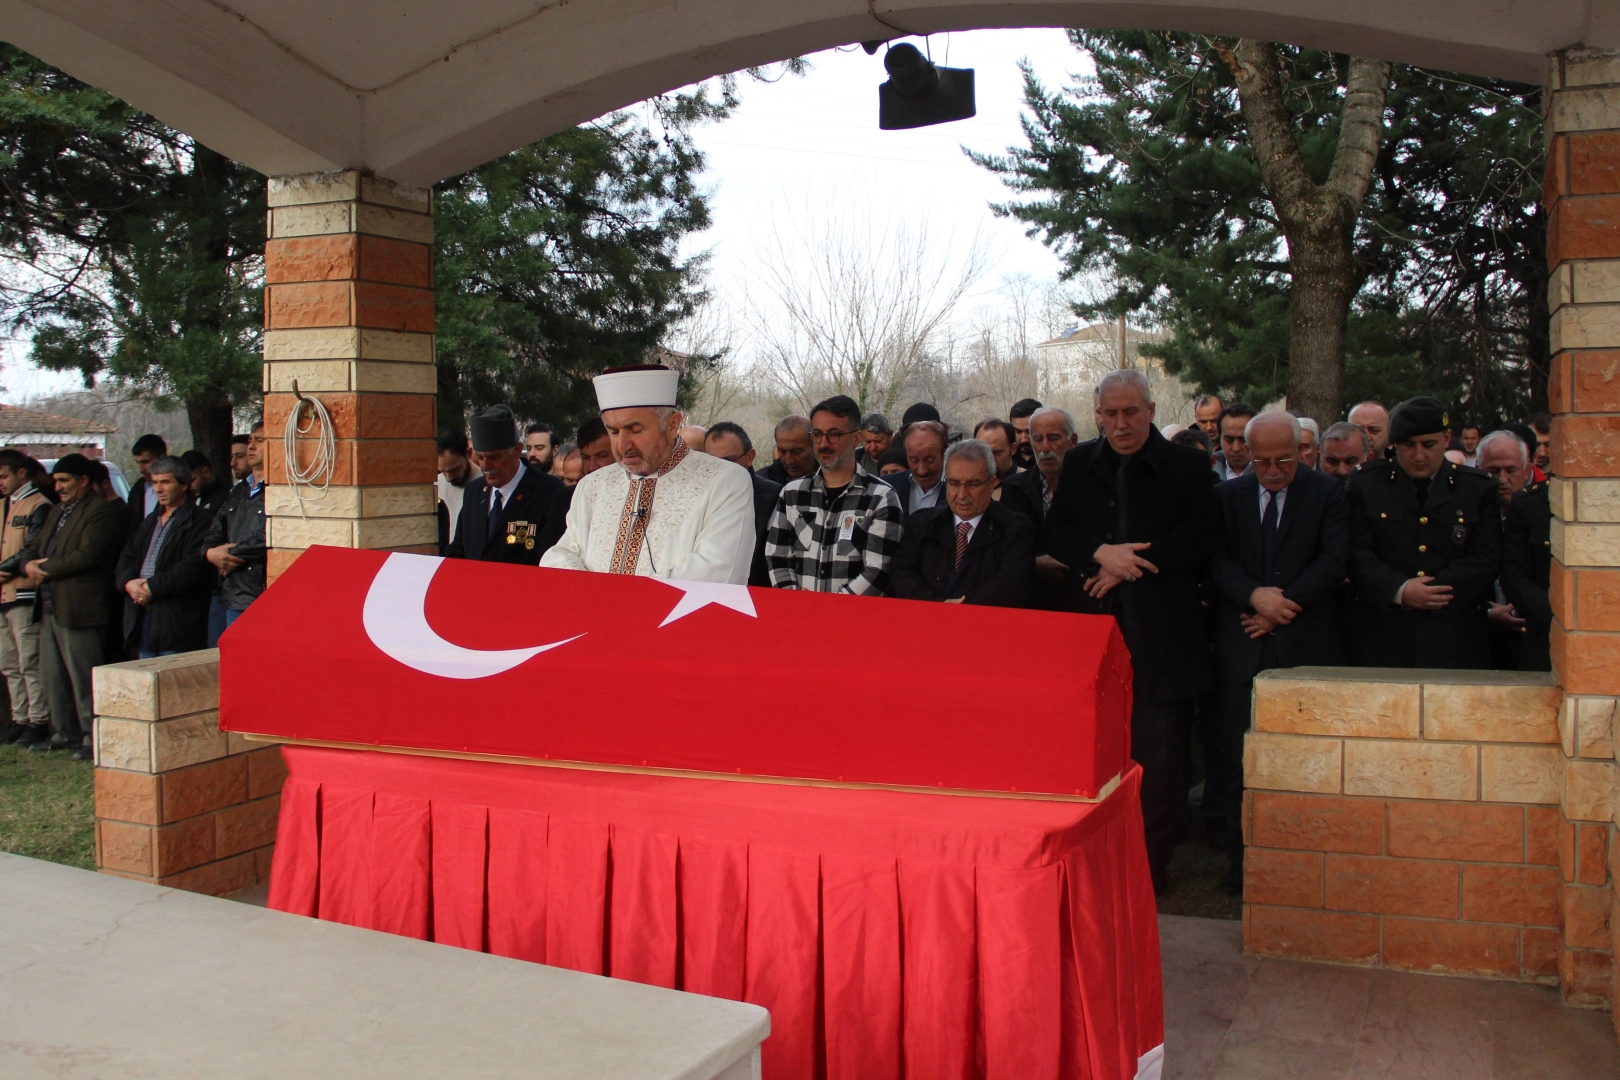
{"x": 1426, "y": 546}
{"x": 504, "y": 512}
{"x": 662, "y": 511}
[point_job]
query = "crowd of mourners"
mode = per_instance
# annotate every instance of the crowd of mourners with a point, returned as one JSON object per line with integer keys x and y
{"x": 1249, "y": 540}
{"x": 88, "y": 577}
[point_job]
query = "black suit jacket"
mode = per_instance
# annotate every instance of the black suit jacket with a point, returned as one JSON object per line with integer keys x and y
{"x": 766, "y": 493}
{"x": 1170, "y": 504}
{"x": 1022, "y": 493}
{"x": 1313, "y": 550}
{"x": 998, "y": 568}
{"x": 135, "y": 505}
{"x": 1526, "y": 571}
{"x": 524, "y": 519}
{"x": 181, "y": 583}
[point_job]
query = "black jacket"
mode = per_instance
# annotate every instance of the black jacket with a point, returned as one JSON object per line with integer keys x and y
{"x": 1454, "y": 536}
{"x": 766, "y": 493}
{"x": 525, "y": 520}
{"x": 135, "y": 505}
{"x": 776, "y": 474}
{"x": 1527, "y": 570}
{"x": 1023, "y": 493}
{"x": 998, "y": 568}
{"x": 1313, "y": 550}
{"x": 1170, "y": 504}
{"x": 212, "y": 498}
{"x": 177, "y": 617}
{"x": 241, "y": 522}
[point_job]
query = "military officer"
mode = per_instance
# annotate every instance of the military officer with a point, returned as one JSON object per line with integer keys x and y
{"x": 504, "y": 512}
{"x": 1426, "y": 544}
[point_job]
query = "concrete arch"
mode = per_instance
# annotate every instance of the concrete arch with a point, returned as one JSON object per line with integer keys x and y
{"x": 416, "y": 90}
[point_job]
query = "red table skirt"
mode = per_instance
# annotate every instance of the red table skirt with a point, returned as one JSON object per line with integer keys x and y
{"x": 889, "y": 934}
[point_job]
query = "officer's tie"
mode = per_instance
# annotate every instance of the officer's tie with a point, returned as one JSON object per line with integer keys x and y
{"x": 494, "y": 515}
{"x": 1268, "y": 535}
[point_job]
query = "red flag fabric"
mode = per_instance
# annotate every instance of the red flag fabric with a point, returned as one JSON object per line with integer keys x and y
{"x": 890, "y": 934}
{"x": 396, "y": 650}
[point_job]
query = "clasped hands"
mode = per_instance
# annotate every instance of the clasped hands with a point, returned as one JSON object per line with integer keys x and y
{"x": 223, "y": 560}
{"x": 1116, "y": 564}
{"x": 139, "y": 591}
{"x": 1271, "y": 610}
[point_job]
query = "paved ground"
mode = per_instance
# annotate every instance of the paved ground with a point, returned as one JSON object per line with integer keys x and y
{"x": 1231, "y": 1017}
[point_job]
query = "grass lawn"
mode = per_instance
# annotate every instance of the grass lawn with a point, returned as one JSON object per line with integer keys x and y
{"x": 47, "y": 807}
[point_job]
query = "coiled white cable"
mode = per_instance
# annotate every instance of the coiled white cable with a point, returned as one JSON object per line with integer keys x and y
{"x": 317, "y": 475}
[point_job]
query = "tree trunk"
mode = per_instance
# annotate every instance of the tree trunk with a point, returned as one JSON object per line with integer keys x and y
{"x": 210, "y": 417}
{"x": 1318, "y": 220}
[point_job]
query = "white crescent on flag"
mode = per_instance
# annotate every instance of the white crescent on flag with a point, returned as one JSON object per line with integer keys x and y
{"x": 396, "y": 622}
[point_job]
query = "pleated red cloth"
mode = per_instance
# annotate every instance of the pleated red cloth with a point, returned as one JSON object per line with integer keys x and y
{"x": 890, "y": 934}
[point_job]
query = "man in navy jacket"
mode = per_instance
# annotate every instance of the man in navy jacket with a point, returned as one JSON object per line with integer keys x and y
{"x": 1281, "y": 555}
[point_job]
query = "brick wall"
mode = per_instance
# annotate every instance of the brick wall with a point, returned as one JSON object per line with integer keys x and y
{"x": 1409, "y": 820}
{"x": 1582, "y": 193}
{"x": 179, "y": 802}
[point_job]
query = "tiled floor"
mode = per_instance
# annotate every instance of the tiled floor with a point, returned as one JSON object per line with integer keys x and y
{"x": 1231, "y": 1017}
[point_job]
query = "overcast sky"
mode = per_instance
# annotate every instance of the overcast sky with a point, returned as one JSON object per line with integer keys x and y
{"x": 804, "y": 144}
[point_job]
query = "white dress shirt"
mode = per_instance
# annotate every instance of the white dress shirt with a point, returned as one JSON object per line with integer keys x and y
{"x": 1265, "y": 500}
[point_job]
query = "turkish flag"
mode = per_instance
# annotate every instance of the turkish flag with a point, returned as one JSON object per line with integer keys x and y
{"x": 370, "y": 648}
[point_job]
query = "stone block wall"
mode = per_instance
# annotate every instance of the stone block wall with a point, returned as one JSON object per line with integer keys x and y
{"x": 179, "y": 802}
{"x": 1407, "y": 819}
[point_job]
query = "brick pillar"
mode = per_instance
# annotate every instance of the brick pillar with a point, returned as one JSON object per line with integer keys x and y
{"x": 1583, "y": 252}
{"x": 348, "y": 269}
{"x": 178, "y": 801}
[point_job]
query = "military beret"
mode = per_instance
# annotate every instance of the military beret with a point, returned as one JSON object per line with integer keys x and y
{"x": 1417, "y": 416}
{"x": 494, "y": 429}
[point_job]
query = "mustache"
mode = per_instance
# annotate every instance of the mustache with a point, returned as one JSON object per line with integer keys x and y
{"x": 1046, "y": 455}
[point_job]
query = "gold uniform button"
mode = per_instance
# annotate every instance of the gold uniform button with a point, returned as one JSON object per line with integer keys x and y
{"x": 1383, "y": 515}
{"x": 1423, "y": 547}
{"x": 1423, "y": 521}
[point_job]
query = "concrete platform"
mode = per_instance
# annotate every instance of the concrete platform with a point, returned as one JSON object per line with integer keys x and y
{"x": 106, "y": 979}
{"x": 1232, "y": 1017}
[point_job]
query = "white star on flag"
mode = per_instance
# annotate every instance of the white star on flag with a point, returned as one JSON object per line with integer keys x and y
{"x": 700, "y": 594}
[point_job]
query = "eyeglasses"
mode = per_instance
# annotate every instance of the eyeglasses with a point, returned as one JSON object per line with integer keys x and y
{"x": 971, "y": 485}
{"x": 831, "y": 436}
{"x": 1270, "y": 463}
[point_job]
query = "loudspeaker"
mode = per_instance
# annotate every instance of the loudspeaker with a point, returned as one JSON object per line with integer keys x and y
{"x": 920, "y": 93}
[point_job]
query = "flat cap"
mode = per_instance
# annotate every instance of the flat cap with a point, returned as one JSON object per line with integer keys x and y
{"x": 1417, "y": 416}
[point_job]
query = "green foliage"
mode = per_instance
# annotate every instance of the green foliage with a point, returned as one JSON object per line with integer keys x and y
{"x": 1143, "y": 174}
{"x": 137, "y": 252}
{"x": 564, "y": 258}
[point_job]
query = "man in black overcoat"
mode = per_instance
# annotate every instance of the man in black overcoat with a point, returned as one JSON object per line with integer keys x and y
{"x": 1527, "y": 570}
{"x": 1280, "y": 558}
{"x": 973, "y": 550}
{"x": 504, "y": 512}
{"x": 1133, "y": 521}
{"x": 1426, "y": 548}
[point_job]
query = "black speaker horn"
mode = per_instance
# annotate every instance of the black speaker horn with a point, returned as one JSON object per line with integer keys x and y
{"x": 920, "y": 93}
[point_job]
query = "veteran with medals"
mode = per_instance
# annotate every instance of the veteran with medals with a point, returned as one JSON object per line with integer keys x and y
{"x": 504, "y": 511}
{"x": 663, "y": 510}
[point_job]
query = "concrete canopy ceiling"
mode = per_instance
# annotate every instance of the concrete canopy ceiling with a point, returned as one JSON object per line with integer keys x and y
{"x": 417, "y": 90}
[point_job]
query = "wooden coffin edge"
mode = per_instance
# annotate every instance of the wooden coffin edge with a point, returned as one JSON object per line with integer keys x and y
{"x": 1108, "y": 789}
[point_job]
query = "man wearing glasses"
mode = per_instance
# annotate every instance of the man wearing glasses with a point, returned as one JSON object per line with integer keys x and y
{"x": 1281, "y": 553}
{"x": 838, "y": 529}
{"x": 973, "y": 550}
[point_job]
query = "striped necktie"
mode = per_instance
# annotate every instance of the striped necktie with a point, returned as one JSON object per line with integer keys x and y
{"x": 963, "y": 531}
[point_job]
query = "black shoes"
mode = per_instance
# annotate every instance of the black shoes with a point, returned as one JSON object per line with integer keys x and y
{"x": 55, "y": 742}
{"x": 84, "y": 753}
{"x": 13, "y": 733}
{"x": 31, "y": 735}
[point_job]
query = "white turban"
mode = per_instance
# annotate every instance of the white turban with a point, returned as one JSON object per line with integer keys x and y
{"x": 651, "y": 386}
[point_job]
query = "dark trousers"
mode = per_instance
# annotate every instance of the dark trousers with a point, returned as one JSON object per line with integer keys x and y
{"x": 66, "y": 655}
{"x": 1224, "y": 759}
{"x": 1159, "y": 743}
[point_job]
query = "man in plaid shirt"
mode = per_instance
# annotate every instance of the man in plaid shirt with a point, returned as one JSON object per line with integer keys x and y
{"x": 837, "y": 529}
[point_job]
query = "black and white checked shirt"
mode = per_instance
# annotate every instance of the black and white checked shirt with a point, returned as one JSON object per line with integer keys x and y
{"x": 802, "y": 545}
